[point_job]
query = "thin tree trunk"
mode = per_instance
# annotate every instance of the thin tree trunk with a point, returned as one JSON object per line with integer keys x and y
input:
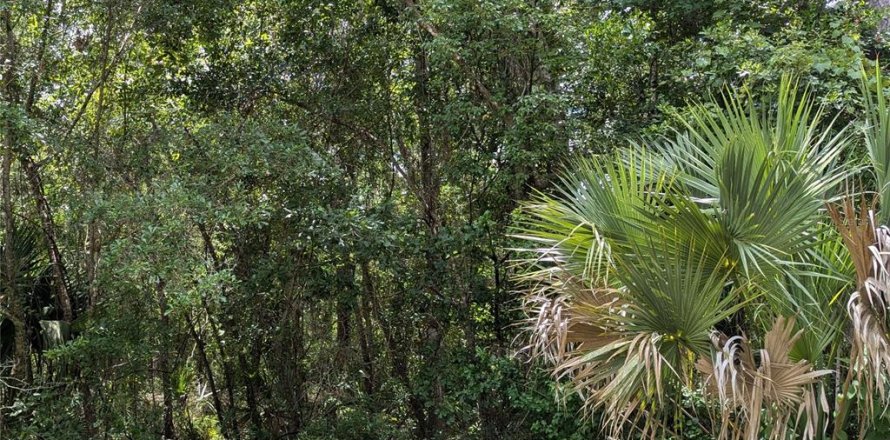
{"x": 228, "y": 375}
{"x": 496, "y": 300}
{"x": 363, "y": 323}
{"x": 21, "y": 369}
{"x": 251, "y": 391}
{"x": 430, "y": 191}
{"x": 60, "y": 280}
{"x": 250, "y": 243}
{"x": 397, "y": 356}
{"x": 92, "y": 266}
{"x": 169, "y": 432}
{"x": 31, "y": 169}
{"x": 93, "y": 244}
{"x": 346, "y": 280}
{"x": 88, "y": 407}
{"x": 208, "y": 374}
{"x": 291, "y": 354}
{"x": 22, "y": 366}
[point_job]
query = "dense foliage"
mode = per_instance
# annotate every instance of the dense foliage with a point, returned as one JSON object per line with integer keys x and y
{"x": 669, "y": 268}
{"x": 298, "y": 218}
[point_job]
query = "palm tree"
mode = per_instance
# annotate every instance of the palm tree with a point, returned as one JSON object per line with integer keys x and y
{"x": 704, "y": 260}
{"x": 36, "y": 323}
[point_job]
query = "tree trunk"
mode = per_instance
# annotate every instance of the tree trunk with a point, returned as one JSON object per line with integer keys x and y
{"x": 208, "y": 374}
{"x": 92, "y": 263}
{"x": 88, "y": 407}
{"x": 16, "y": 313}
{"x": 398, "y": 358}
{"x": 297, "y": 395}
{"x": 249, "y": 372}
{"x": 169, "y": 432}
{"x": 228, "y": 374}
{"x": 363, "y": 323}
{"x": 60, "y": 281}
{"x": 31, "y": 168}
{"x": 345, "y": 296}
{"x": 435, "y": 264}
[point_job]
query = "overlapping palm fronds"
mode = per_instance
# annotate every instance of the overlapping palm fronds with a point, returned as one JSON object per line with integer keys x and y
{"x": 626, "y": 349}
{"x": 870, "y": 348}
{"x": 644, "y": 253}
{"x": 876, "y": 130}
{"x": 867, "y": 307}
{"x": 866, "y": 237}
{"x": 751, "y": 384}
{"x": 869, "y": 247}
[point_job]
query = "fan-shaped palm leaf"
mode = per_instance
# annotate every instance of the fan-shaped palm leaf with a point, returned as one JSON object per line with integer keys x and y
{"x": 752, "y": 383}
{"x": 642, "y": 253}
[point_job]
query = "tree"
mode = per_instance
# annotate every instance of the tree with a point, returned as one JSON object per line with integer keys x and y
{"x": 656, "y": 267}
{"x": 290, "y": 218}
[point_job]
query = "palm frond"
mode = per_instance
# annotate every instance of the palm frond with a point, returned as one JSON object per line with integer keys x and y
{"x": 750, "y": 384}
{"x": 642, "y": 254}
{"x": 877, "y": 137}
{"x": 814, "y": 298}
{"x": 591, "y": 214}
{"x": 868, "y": 247}
{"x": 769, "y": 208}
{"x": 674, "y": 294}
{"x": 867, "y": 307}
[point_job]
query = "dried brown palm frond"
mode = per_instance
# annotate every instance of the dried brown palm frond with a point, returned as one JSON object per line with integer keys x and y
{"x": 621, "y": 377}
{"x": 751, "y": 383}
{"x": 867, "y": 307}
{"x": 857, "y": 231}
{"x": 578, "y": 332}
{"x": 869, "y": 248}
{"x": 563, "y": 315}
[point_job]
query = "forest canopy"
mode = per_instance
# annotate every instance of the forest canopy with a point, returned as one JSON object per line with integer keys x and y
{"x": 393, "y": 219}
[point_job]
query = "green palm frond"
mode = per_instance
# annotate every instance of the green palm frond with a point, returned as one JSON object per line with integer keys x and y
{"x": 769, "y": 208}
{"x": 765, "y": 168}
{"x": 594, "y": 210}
{"x": 614, "y": 190}
{"x": 642, "y": 254}
{"x": 817, "y": 299}
{"x": 28, "y": 258}
{"x": 877, "y": 137}
{"x": 674, "y": 294}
